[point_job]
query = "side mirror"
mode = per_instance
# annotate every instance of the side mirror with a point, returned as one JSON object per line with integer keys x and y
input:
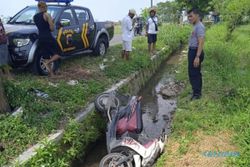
{"x": 9, "y": 19}
{"x": 64, "y": 22}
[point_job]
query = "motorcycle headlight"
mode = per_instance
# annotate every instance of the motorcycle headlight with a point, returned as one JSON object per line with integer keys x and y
{"x": 21, "y": 42}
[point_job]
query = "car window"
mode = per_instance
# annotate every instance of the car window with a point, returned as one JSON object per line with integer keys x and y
{"x": 26, "y": 16}
{"x": 68, "y": 15}
{"x": 82, "y": 15}
{"x": 53, "y": 12}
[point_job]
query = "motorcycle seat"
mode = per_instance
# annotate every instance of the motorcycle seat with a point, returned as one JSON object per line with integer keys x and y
{"x": 148, "y": 144}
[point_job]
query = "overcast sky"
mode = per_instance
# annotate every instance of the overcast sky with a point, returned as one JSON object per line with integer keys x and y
{"x": 102, "y": 9}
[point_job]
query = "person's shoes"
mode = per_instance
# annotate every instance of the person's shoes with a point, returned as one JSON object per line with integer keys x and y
{"x": 196, "y": 97}
{"x": 47, "y": 65}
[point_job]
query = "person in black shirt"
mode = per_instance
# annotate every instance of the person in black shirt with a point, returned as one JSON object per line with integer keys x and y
{"x": 47, "y": 43}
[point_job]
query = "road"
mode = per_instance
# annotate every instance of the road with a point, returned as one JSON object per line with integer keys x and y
{"x": 117, "y": 39}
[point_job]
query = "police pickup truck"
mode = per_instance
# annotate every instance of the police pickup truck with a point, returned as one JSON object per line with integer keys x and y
{"x": 76, "y": 32}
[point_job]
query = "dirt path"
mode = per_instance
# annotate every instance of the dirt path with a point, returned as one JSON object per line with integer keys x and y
{"x": 198, "y": 151}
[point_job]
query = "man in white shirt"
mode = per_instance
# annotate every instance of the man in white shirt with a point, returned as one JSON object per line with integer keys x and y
{"x": 151, "y": 31}
{"x": 127, "y": 34}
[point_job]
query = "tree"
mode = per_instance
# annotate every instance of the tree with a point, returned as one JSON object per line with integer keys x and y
{"x": 168, "y": 11}
{"x": 203, "y": 5}
{"x": 144, "y": 13}
{"x": 234, "y": 13}
{"x": 218, "y": 5}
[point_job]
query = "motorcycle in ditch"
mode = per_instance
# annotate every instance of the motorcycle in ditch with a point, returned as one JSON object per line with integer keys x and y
{"x": 124, "y": 125}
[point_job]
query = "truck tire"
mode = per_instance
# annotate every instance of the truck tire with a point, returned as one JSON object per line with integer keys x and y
{"x": 101, "y": 46}
{"x": 38, "y": 65}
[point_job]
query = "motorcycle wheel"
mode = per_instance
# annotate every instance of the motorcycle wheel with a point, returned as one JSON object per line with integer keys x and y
{"x": 111, "y": 159}
{"x": 102, "y": 100}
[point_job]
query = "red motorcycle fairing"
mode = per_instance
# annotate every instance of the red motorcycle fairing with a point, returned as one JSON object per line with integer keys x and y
{"x": 131, "y": 120}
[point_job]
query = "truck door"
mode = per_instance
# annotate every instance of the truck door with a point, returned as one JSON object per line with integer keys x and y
{"x": 68, "y": 32}
{"x": 87, "y": 26}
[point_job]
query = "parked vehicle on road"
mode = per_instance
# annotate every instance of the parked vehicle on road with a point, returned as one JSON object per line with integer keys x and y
{"x": 139, "y": 24}
{"x": 123, "y": 127}
{"x": 76, "y": 32}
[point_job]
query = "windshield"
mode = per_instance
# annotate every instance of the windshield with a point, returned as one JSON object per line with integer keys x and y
{"x": 26, "y": 16}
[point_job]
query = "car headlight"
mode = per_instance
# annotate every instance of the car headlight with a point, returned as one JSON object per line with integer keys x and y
{"x": 21, "y": 42}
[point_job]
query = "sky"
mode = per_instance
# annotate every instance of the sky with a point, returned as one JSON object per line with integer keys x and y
{"x": 102, "y": 10}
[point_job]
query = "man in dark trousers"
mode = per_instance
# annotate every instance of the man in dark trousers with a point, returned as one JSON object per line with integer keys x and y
{"x": 47, "y": 43}
{"x": 195, "y": 53}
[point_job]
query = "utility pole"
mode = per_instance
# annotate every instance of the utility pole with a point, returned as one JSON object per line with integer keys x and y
{"x": 152, "y": 3}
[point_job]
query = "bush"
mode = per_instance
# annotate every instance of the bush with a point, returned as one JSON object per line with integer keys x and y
{"x": 236, "y": 13}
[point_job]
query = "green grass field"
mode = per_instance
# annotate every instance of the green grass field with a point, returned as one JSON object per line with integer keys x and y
{"x": 219, "y": 122}
{"x": 118, "y": 29}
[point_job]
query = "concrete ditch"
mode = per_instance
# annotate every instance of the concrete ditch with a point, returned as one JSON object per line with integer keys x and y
{"x": 131, "y": 84}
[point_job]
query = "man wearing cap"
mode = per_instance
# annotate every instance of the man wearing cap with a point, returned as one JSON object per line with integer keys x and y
{"x": 127, "y": 34}
{"x": 47, "y": 43}
{"x": 151, "y": 31}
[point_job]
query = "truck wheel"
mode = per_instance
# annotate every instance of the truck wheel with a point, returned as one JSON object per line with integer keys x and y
{"x": 101, "y": 47}
{"x": 39, "y": 67}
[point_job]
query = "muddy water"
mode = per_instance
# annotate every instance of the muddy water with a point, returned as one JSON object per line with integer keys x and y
{"x": 157, "y": 112}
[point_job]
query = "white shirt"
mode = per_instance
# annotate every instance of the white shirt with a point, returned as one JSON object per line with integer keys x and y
{"x": 127, "y": 29}
{"x": 151, "y": 25}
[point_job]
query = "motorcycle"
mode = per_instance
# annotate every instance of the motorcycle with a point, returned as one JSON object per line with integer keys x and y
{"x": 137, "y": 29}
{"x": 124, "y": 126}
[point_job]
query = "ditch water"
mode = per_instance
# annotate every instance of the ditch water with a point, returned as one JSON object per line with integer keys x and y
{"x": 157, "y": 111}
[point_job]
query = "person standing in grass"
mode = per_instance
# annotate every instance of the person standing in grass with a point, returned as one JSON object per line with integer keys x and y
{"x": 4, "y": 53}
{"x": 151, "y": 31}
{"x": 196, "y": 53}
{"x": 127, "y": 34}
{"x": 47, "y": 43}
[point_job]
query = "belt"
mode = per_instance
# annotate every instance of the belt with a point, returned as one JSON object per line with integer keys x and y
{"x": 193, "y": 48}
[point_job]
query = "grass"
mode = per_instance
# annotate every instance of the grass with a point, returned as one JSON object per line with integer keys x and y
{"x": 224, "y": 107}
{"x": 74, "y": 143}
{"x": 118, "y": 29}
{"x": 44, "y": 115}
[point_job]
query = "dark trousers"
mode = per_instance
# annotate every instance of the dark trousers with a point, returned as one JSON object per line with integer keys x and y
{"x": 195, "y": 76}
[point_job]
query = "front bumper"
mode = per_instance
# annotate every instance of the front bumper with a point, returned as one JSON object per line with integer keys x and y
{"x": 19, "y": 56}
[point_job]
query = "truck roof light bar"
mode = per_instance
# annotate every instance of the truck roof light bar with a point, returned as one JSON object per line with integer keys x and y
{"x": 67, "y": 2}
